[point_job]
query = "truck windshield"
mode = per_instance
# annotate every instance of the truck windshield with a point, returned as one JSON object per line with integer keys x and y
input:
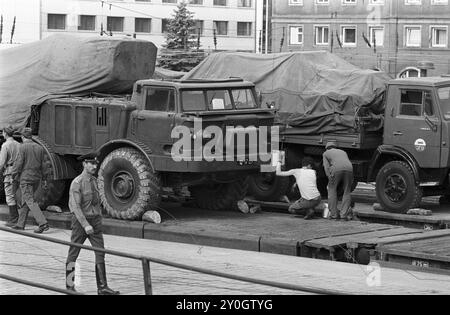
{"x": 444, "y": 100}
{"x": 218, "y": 99}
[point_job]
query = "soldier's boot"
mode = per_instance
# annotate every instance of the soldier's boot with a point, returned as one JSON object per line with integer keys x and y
{"x": 13, "y": 216}
{"x": 102, "y": 284}
{"x": 70, "y": 276}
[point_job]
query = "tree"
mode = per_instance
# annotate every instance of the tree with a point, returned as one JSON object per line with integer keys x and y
{"x": 181, "y": 32}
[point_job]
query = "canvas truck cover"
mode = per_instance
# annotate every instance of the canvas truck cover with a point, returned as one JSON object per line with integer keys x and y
{"x": 63, "y": 65}
{"x": 318, "y": 92}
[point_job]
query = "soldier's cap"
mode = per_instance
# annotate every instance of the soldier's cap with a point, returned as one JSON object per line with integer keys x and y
{"x": 331, "y": 144}
{"x": 9, "y": 130}
{"x": 90, "y": 157}
{"x": 27, "y": 133}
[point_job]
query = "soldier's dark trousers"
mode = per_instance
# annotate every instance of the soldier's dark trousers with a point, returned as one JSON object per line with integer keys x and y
{"x": 79, "y": 236}
{"x": 28, "y": 203}
{"x": 344, "y": 178}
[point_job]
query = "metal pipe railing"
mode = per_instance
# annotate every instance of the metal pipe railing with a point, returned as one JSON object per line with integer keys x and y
{"x": 145, "y": 260}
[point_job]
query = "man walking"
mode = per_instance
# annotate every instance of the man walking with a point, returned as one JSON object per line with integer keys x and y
{"x": 306, "y": 182}
{"x": 9, "y": 154}
{"x": 339, "y": 170}
{"x": 32, "y": 169}
{"x": 84, "y": 203}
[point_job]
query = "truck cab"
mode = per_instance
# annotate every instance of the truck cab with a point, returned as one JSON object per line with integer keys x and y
{"x": 416, "y": 129}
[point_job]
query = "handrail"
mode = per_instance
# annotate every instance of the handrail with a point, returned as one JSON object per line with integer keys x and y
{"x": 145, "y": 262}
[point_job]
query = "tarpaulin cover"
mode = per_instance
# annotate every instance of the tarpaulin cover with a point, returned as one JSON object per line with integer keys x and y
{"x": 63, "y": 65}
{"x": 318, "y": 92}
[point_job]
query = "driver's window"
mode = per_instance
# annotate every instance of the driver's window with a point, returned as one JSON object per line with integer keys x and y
{"x": 411, "y": 103}
{"x": 160, "y": 99}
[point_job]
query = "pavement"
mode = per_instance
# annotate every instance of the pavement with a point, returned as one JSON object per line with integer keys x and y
{"x": 41, "y": 261}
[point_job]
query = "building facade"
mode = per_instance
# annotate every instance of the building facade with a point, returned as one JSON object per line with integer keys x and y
{"x": 390, "y": 35}
{"x": 233, "y": 20}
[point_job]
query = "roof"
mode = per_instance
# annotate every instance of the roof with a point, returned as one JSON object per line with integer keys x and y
{"x": 194, "y": 83}
{"x": 425, "y": 81}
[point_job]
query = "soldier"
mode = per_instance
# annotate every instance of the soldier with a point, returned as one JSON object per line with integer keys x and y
{"x": 339, "y": 170}
{"x": 10, "y": 153}
{"x": 84, "y": 203}
{"x": 31, "y": 167}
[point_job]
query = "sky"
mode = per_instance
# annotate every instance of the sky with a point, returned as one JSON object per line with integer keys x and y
{"x": 27, "y": 20}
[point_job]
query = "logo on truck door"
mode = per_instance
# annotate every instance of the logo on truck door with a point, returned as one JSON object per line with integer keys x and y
{"x": 420, "y": 145}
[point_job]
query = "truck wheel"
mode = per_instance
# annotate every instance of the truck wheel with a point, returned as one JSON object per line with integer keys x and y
{"x": 128, "y": 186}
{"x": 220, "y": 196}
{"x": 396, "y": 187}
{"x": 268, "y": 186}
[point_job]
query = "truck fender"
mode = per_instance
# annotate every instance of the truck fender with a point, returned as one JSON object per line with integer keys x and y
{"x": 110, "y": 146}
{"x": 62, "y": 166}
{"x": 400, "y": 154}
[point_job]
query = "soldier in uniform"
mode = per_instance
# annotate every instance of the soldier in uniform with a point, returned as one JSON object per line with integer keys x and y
{"x": 10, "y": 153}
{"x": 31, "y": 167}
{"x": 84, "y": 203}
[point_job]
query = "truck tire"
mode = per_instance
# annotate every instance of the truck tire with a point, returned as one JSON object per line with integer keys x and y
{"x": 268, "y": 186}
{"x": 220, "y": 196}
{"x": 396, "y": 187}
{"x": 128, "y": 187}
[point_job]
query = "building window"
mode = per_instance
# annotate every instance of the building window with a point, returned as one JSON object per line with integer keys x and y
{"x": 221, "y": 27}
{"x": 322, "y": 2}
{"x": 169, "y": 1}
{"x": 115, "y": 23}
{"x": 295, "y": 2}
{"x": 376, "y": 34}
{"x": 413, "y": 36}
{"x": 245, "y": 3}
{"x": 86, "y": 23}
{"x": 439, "y": 2}
{"x": 439, "y": 36}
{"x": 376, "y": 2}
{"x": 296, "y": 35}
{"x": 165, "y": 25}
{"x": 351, "y": 2}
{"x": 413, "y": 2}
{"x": 321, "y": 35}
{"x": 222, "y": 3}
{"x": 142, "y": 25}
{"x": 349, "y": 35}
{"x": 244, "y": 28}
{"x": 198, "y": 26}
{"x": 196, "y": 2}
{"x": 56, "y": 22}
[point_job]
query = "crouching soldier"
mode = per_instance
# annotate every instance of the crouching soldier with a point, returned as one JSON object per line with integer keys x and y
{"x": 84, "y": 203}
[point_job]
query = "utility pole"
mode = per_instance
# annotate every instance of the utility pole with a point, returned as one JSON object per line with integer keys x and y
{"x": 12, "y": 30}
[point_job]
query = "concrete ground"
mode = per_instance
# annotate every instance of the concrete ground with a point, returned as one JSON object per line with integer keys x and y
{"x": 41, "y": 261}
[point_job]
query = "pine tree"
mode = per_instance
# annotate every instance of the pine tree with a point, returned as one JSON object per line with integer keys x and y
{"x": 181, "y": 33}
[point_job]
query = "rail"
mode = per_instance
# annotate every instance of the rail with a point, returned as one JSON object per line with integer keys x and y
{"x": 145, "y": 260}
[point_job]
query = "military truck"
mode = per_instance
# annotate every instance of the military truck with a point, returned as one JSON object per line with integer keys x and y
{"x": 407, "y": 159}
{"x": 134, "y": 138}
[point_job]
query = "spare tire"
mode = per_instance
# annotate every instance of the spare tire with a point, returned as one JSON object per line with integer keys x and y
{"x": 268, "y": 186}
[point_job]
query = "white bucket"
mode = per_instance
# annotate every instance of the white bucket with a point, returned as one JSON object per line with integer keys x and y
{"x": 326, "y": 211}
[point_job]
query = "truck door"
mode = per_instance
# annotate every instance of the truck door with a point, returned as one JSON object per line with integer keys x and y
{"x": 154, "y": 124}
{"x": 413, "y": 123}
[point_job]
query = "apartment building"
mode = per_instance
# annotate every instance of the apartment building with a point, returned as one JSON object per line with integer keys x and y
{"x": 233, "y": 20}
{"x": 386, "y": 34}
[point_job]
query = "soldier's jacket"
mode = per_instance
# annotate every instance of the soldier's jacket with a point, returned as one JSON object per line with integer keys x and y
{"x": 84, "y": 198}
{"x": 31, "y": 164}
{"x": 9, "y": 154}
